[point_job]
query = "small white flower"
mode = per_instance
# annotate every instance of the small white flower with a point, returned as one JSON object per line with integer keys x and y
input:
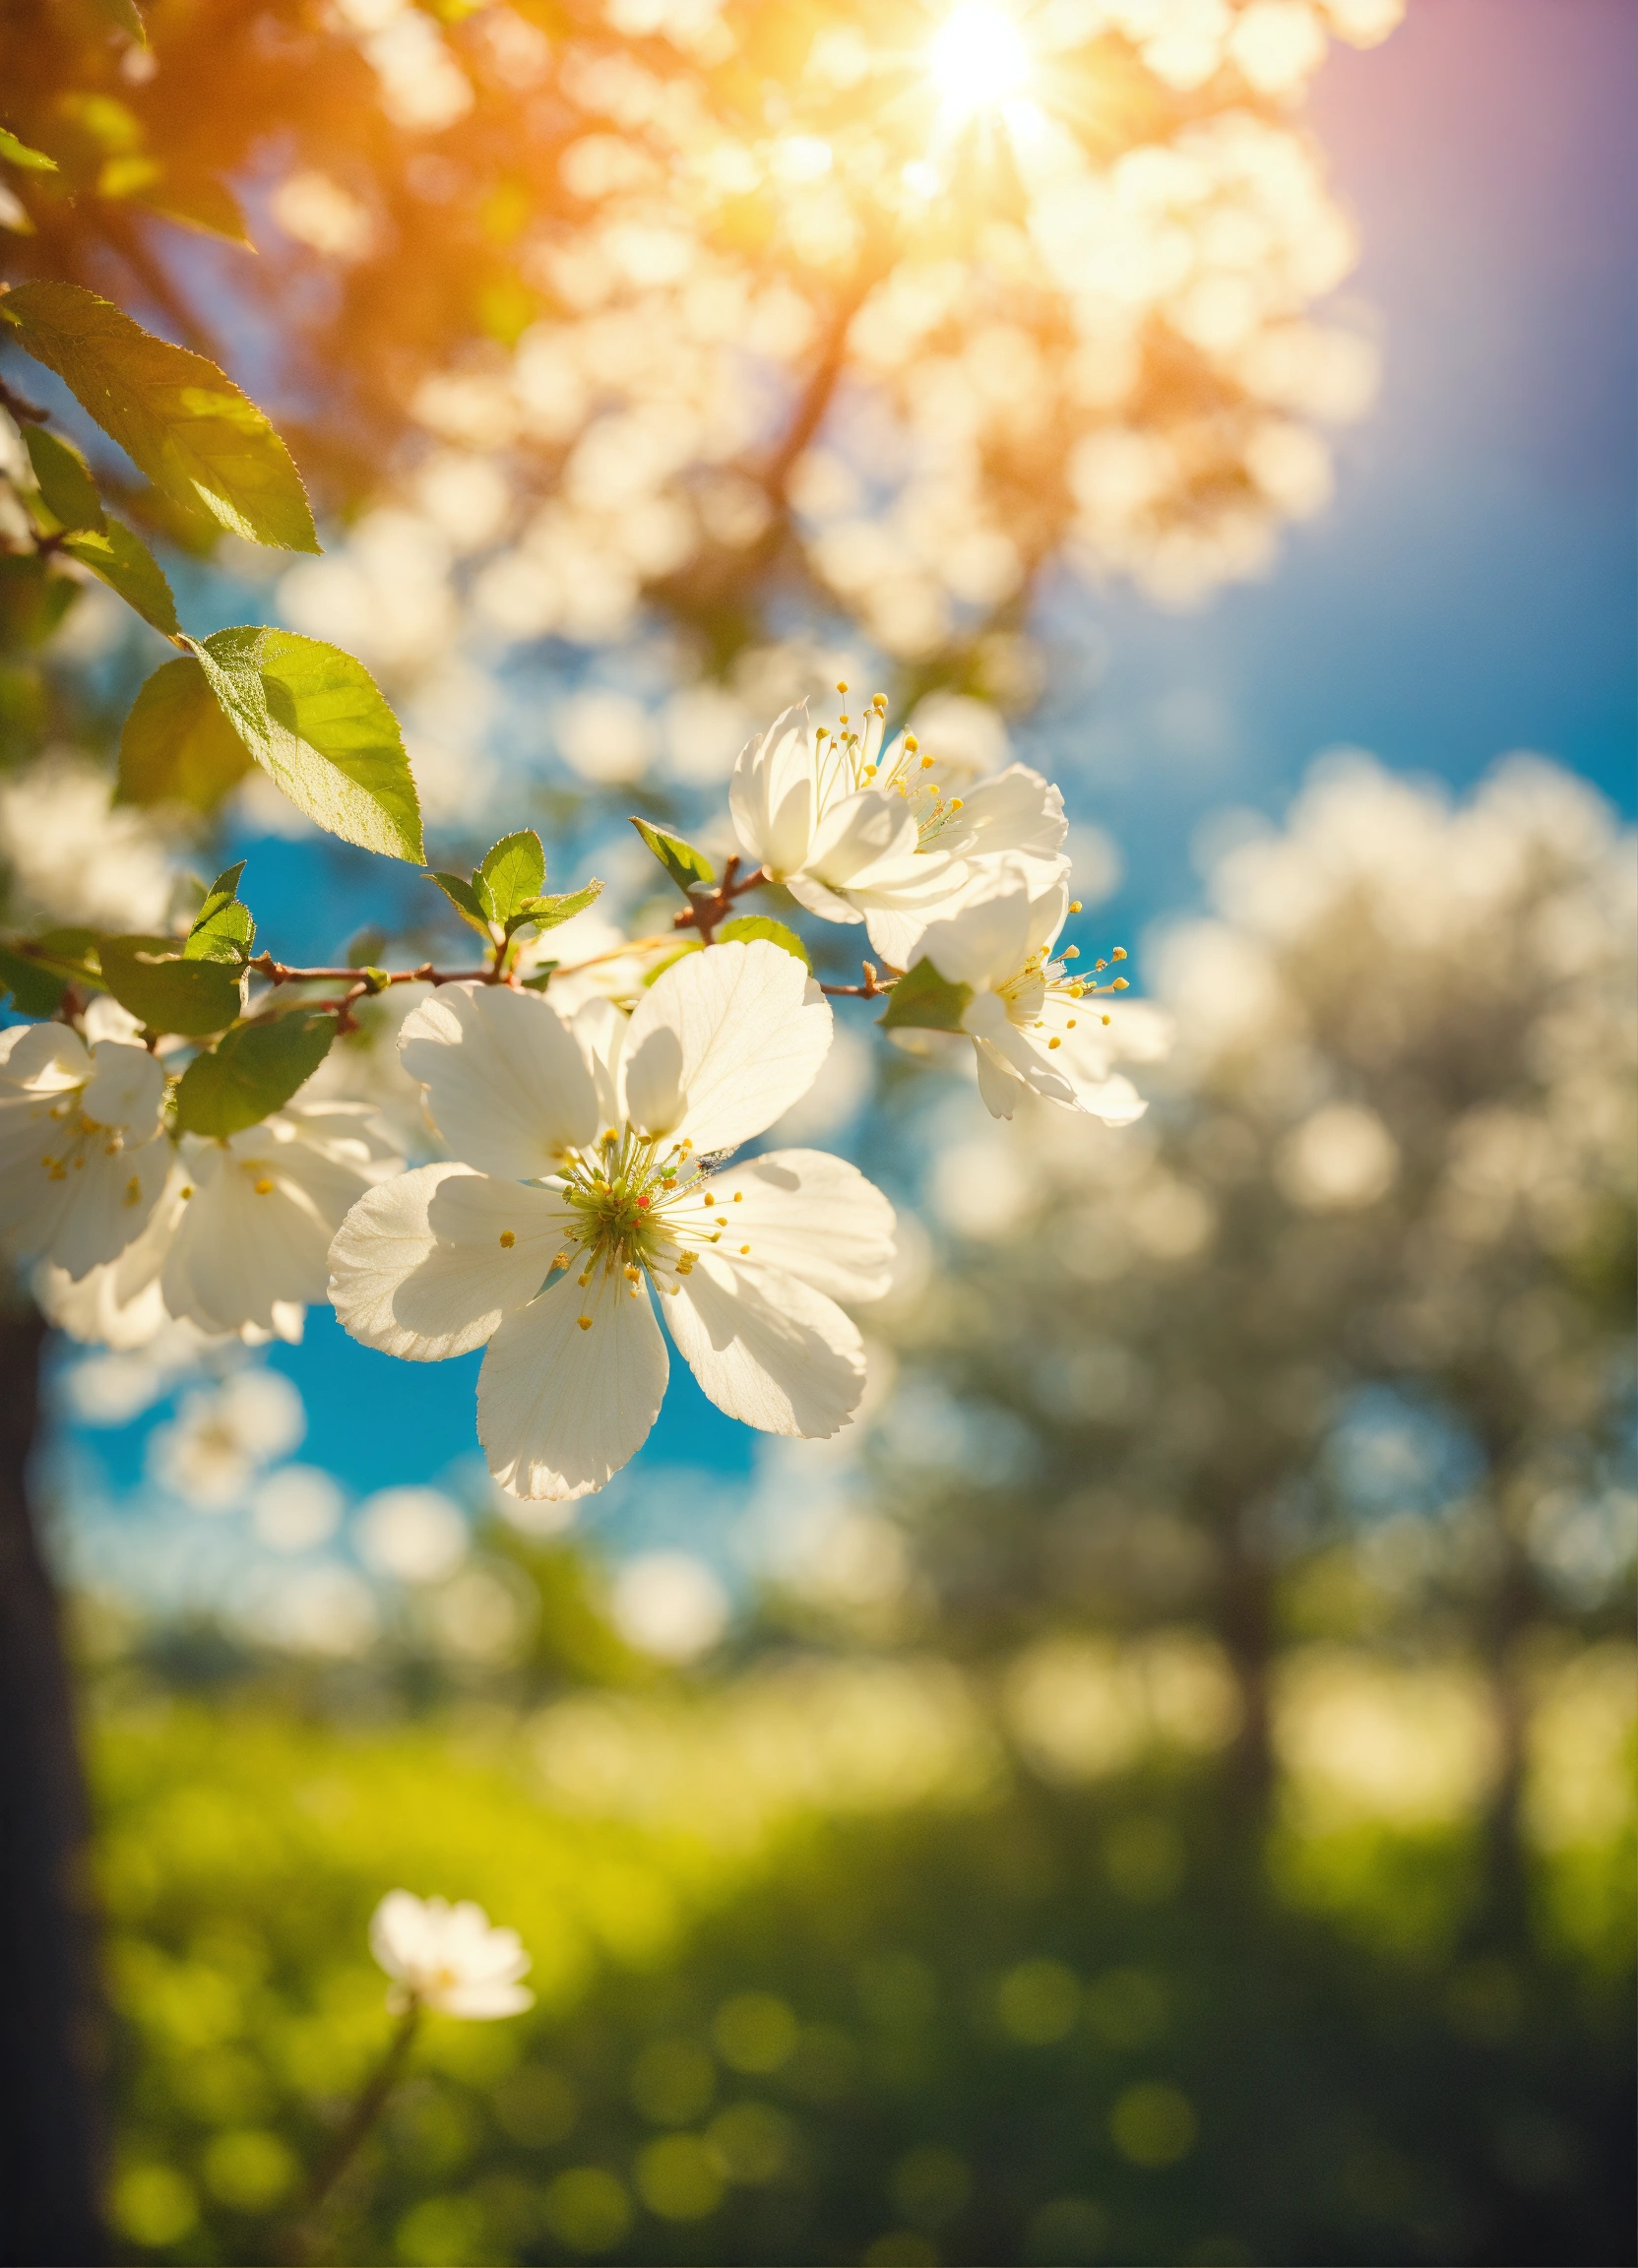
{"x": 750, "y": 1261}
{"x": 249, "y": 1244}
{"x": 222, "y": 1437}
{"x": 448, "y": 1958}
{"x": 856, "y": 833}
{"x": 83, "y": 1158}
{"x": 1034, "y": 1025}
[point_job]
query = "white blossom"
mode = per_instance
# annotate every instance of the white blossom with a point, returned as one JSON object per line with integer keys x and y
{"x": 859, "y": 834}
{"x": 585, "y": 1173}
{"x": 255, "y": 1214}
{"x": 448, "y": 1958}
{"x": 1034, "y": 1024}
{"x": 83, "y": 1158}
{"x": 223, "y": 1436}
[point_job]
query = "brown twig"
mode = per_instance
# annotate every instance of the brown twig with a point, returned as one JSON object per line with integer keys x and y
{"x": 706, "y": 909}
{"x": 871, "y": 990}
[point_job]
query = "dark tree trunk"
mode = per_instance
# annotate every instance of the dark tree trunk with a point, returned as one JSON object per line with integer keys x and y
{"x": 51, "y": 2029}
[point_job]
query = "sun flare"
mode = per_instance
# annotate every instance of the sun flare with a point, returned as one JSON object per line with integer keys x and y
{"x": 979, "y": 59}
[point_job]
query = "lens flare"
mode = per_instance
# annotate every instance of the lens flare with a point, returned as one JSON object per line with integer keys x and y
{"x": 978, "y": 59}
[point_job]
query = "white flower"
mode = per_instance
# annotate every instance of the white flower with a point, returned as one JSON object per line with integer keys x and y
{"x": 856, "y": 834}
{"x": 83, "y": 1158}
{"x": 255, "y": 1214}
{"x": 448, "y": 1958}
{"x": 751, "y": 1262}
{"x": 1032, "y": 1024}
{"x": 213, "y": 1450}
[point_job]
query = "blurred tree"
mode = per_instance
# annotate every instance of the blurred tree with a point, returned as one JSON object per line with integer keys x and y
{"x": 1337, "y": 1342}
{"x": 736, "y": 312}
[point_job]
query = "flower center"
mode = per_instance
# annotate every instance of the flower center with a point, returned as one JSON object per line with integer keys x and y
{"x": 645, "y": 1211}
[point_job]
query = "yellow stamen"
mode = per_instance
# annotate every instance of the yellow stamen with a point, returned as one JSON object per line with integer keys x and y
{"x": 586, "y": 1322}
{"x": 187, "y": 1189}
{"x": 739, "y": 1196}
{"x": 133, "y": 1191}
{"x": 1074, "y": 904}
{"x": 1119, "y": 953}
{"x": 506, "y": 1239}
{"x": 263, "y": 1187}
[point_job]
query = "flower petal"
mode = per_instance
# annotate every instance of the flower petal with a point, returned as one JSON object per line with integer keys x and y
{"x": 766, "y": 1349}
{"x": 107, "y": 1205}
{"x": 255, "y": 1233}
{"x": 773, "y": 797}
{"x": 506, "y": 1084}
{"x": 1000, "y": 1086}
{"x": 599, "y": 1029}
{"x": 860, "y": 832}
{"x": 560, "y": 1409}
{"x": 811, "y": 1216}
{"x": 723, "y": 1044}
{"x": 1016, "y": 810}
{"x": 422, "y": 1267}
{"x": 985, "y": 940}
{"x": 126, "y": 1089}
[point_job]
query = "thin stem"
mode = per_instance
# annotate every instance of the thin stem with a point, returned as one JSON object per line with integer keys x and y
{"x": 871, "y": 990}
{"x": 354, "y": 2132}
{"x": 707, "y": 908}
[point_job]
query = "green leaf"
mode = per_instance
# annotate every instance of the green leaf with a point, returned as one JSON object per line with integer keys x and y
{"x": 745, "y": 926}
{"x": 510, "y": 874}
{"x": 177, "y": 746}
{"x": 124, "y": 14}
{"x": 65, "y": 484}
{"x": 223, "y": 929}
{"x": 685, "y": 865}
{"x": 35, "y": 989}
{"x": 19, "y": 153}
{"x": 173, "y": 413}
{"x": 540, "y": 978}
{"x": 924, "y": 1000}
{"x": 547, "y": 912}
{"x": 670, "y": 960}
{"x": 314, "y": 719}
{"x": 164, "y": 992}
{"x": 200, "y": 202}
{"x": 466, "y": 903}
{"x": 252, "y": 1070}
{"x": 125, "y": 563}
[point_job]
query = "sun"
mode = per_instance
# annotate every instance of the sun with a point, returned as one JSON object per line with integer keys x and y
{"x": 978, "y": 59}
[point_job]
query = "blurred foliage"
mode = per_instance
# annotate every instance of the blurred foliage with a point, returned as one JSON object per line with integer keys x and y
{"x": 725, "y": 315}
{"x": 994, "y": 2021}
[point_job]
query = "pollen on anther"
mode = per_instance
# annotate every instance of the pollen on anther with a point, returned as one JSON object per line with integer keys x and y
{"x": 739, "y": 1196}
{"x": 1074, "y": 904}
{"x": 263, "y": 1187}
{"x": 1070, "y": 1026}
{"x": 744, "y": 1247}
{"x": 1106, "y": 1019}
{"x": 1054, "y": 1043}
{"x": 187, "y": 1189}
{"x": 586, "y": 1322}
{"x": 133, "y": 1191}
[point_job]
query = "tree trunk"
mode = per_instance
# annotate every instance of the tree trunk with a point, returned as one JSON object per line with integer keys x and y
{"x": 52, "y": 2031}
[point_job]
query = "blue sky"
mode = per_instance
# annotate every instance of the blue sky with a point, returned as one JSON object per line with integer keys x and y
{"x": 1469, "y": 591}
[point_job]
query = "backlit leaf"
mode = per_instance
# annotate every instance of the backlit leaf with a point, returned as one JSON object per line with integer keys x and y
{"x": 315, "y": 721}
{"x": 177, "y": 746}
{"x": 125, "y": 563}
{"x": 745, "y": 926}
{"x": 685, "y": 865}
{"x": 924, "y": 1000}
{"x": 547, "y": 912}
{"x": 466, "y": 901}
{"x": 66, "y": 486}
{"x": 510, "y": 874}
{"x": 252, "y": 1070}
{"x": 164, "y": 992}
{"x": 173, "y": 413}
{"x": 19, "y": 153}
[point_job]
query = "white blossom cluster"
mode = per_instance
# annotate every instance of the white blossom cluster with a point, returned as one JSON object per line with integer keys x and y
{"x": 591, "y": 1129}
